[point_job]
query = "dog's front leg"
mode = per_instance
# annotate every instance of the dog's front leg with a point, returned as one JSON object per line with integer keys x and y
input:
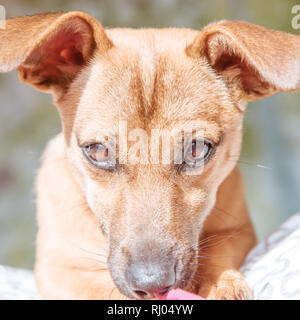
{"x": 227, "y": 237}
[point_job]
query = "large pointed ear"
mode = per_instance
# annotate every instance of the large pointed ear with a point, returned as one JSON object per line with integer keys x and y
{"x": 50, "y": 49}
{"x": 254, "y": 61}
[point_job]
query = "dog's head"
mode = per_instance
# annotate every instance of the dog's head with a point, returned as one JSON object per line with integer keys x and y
{"x": 119, "y": 92}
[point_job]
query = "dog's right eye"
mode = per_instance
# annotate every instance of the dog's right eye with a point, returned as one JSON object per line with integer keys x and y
{"x": 100, "y": 156}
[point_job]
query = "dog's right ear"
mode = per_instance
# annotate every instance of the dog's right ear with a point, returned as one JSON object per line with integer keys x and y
{"x": 253, "y": 61}
{"x": 50, "y": 49}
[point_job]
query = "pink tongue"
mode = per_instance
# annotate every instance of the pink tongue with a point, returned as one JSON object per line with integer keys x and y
{"x": 178, "y": 294}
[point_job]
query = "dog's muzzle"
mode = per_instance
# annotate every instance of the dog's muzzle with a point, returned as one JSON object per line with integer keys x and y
{"x": 149, "y": 279}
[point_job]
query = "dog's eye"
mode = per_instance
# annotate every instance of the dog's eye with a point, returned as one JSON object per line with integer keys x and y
{"x": 198, "y": 152}
{"x": 100, "y": 156}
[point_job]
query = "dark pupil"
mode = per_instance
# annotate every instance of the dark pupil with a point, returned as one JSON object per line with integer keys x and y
{"x": 99, "y": 153}
{"x": 194, "y": 150}
{"x": 201, "y": 151}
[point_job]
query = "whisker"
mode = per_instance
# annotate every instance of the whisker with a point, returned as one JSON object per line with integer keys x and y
{"x": 92, "y": 252}
{"x": 210, "y": 256}
{"x": 93, "y": 259}
{"x": 220, "y": 242}
{"x": 242, "y": 161}
{"x": 256, "y": 165}
{"x": 217, "y": 216}
{"x": 205, "y": 240}
{"x": 225, "y": 212}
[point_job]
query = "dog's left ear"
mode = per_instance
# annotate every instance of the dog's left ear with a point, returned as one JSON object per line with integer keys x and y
{"x": 50, "y": 49}
{"x": 254, "y": 61}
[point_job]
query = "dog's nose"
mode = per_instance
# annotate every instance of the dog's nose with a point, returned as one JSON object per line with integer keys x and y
{"x": 149, "y": 279}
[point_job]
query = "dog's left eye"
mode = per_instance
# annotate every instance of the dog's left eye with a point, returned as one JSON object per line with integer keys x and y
{"x": 100, "y": 156}
{"x": 198, "y": 152}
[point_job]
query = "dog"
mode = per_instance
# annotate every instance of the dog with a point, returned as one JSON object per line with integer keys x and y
{"x": 109, "y": 229}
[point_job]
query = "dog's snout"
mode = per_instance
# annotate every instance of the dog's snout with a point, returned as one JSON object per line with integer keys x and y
{"x": 147, "y": 280}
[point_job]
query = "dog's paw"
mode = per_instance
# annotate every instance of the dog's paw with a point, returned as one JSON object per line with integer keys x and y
{"x": 230, "y": 286}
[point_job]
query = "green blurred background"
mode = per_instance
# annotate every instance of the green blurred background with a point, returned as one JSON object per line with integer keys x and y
{"x": 270, "y": 157}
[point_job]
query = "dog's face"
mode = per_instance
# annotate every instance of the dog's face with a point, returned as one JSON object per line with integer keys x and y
{"x": 121, "y": 87}
{"x": 151, "y": 213}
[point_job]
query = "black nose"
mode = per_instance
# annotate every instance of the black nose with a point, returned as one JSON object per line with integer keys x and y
{"x": 149, "y": 279}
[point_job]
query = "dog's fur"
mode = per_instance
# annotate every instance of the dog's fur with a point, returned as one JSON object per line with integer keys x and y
{"x": 152, "y": 78}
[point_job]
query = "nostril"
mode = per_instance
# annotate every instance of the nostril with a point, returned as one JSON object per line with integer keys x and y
{"x": 143, "y": 294}
{"x": 151, "y": 279}
{"x": 149, "y": 295}
{"x": 164, "y": 290}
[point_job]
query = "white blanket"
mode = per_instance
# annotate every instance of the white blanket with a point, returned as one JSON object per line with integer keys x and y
{"x": 17, "y": 284}
{"x": 272, "y": 268}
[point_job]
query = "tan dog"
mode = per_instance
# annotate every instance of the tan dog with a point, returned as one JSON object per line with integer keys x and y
{"x": 161, "y": 228}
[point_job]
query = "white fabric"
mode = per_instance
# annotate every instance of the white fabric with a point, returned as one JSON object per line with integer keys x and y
{"x": 272, "y": 269}
{"x": 17, "y": 284}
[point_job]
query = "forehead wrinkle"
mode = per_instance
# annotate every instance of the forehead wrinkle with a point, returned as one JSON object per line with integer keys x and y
{"x": 147, "y": 67}
{"x": 150, "y": 89}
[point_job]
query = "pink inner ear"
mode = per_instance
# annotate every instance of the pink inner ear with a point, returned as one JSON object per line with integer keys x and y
{"x": 229, "y": 62}
{"x": 56, "y": 60}
{"x": 54, "y": 63}
{"x": 65, "y": 48}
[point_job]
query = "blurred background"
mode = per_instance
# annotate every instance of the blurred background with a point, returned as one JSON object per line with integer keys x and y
{"x": 270, "y": 157}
